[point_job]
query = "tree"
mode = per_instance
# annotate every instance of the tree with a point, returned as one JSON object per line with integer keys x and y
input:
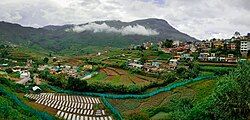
{"x": 46, "y": 60}
{"x": 237, "y": 34}
{"x": 167, "y": 43}
{"x": 54, "y": 59}
{"x": 77, "y": 84}
{"x": 181, "y": 70}
{"x": 4, "y": 54}
{"x": 169, "y": 77}
{"x": 9, "y": 70}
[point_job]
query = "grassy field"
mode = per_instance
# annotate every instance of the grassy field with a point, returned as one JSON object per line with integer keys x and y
{"x": 195, "y": 91}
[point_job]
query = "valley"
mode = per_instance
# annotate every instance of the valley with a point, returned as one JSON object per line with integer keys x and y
{"x": 74, "y": 60}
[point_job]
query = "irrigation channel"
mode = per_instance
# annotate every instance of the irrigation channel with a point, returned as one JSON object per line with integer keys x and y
{"x": 116, "y": 113}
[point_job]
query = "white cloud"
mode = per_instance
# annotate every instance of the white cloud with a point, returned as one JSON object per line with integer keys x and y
{"x": 199, "y": 18}
{"x": 127, "y": 30}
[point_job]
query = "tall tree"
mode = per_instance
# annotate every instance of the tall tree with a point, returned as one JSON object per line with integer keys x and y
{"x": 77, "y": 84}
{"x": 46, "y": 60}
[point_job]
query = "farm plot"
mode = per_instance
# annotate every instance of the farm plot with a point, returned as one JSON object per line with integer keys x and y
{"x": 72, "y": 107}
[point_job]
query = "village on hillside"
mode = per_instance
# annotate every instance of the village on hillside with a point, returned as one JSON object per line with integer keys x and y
{"x": 132, "y": 70}
{"x": 214, "y": 51}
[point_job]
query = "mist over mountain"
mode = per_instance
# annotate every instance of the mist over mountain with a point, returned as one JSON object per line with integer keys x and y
{"x": 112, "y": 33}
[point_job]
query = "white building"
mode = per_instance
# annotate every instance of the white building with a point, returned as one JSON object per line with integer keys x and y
{"x": 176, "y": 43}
{"x": 244, "y": 47}
{"x": 35, "y": 88}
{"x": 24, "y": 74}
{"x": 173, "y": 62}
{"x": 135, "y": 65}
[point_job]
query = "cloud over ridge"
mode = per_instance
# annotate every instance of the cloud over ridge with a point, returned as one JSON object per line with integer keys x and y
{"x": 127, "y": 30}
{"x": 202, "y": 19}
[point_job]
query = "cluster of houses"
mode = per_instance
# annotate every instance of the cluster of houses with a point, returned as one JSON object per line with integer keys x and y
{"x": 178, "y": 46}
{"x": 68, "y": 70}
{"x": 153, "y": 65}
{"x": 230, "y": 58}
{"x": 73, "y": 71}
{"x": 236, "y": 43}
{"x": 183, "y": 51}
{"x": 23, "y": 71}
{"x": 62, "y": 69}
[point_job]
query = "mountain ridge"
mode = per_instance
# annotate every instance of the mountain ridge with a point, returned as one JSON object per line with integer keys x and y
{"x": 120, "y": 34}
{"x": 149, "y": 22}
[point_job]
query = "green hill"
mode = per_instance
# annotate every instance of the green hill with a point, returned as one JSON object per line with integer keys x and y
{"x": 116, "y": 34}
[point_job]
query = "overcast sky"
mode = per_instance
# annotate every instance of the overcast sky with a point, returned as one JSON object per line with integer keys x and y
{"x": 202, "y": 19}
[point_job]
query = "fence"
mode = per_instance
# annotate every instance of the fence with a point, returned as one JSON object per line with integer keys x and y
{"x": 112, "y": 109}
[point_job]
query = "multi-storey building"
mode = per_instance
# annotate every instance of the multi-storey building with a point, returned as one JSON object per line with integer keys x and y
{"x": 244, "y": 47}
{"x": 218, "y": 43}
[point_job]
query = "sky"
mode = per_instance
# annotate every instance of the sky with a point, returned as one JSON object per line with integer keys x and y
{"x": 202, "y": 19}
